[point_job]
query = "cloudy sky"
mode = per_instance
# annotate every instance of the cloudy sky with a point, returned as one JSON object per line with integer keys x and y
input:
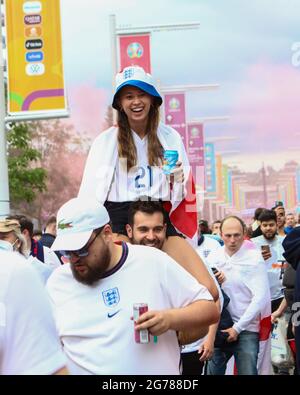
{"x": 251, "y": 49}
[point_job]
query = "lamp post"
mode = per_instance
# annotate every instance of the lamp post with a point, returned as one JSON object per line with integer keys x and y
{"x": 127, "y": 29}
{"x": 4, "y": 189}
{"x": 222, "y": 118}
{"x": 264, "y": 184}
{"x": 190, "y": 87}
{"x": 158, "y": 28}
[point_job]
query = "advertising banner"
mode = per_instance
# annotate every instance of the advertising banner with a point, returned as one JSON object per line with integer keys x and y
{"x": 298, "y": 184}
{"x": 225, "y": 182}
{"x": 195, "y": 152}
{"x": 210, "y": 168}
{"x": 230, "y": 187}
{"x": 174, "y": 105}
{"x": 34, "y": 58}
{"x": 134, "y": 49}
{"x": 219, "y": 177}
{"x": 235, "y": 195}
{"x": 291, "y": 193}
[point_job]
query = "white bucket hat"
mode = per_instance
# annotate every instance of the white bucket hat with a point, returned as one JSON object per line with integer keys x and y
{"x": 76, "y": 221}
{"x": 135, "y": 76}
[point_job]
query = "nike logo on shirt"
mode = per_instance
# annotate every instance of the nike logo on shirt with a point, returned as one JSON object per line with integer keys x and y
{"x": 110, "y": 315}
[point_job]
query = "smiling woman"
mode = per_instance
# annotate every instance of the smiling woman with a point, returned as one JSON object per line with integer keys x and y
{"x": 125, "y": 163}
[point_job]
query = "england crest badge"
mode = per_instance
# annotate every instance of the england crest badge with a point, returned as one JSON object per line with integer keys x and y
{"x": 111, "y": 297}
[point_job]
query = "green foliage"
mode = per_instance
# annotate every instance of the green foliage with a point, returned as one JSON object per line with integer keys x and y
{"x": 25, "y": 177}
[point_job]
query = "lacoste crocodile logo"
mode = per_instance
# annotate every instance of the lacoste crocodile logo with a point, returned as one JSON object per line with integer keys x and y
{"x": 63, "y": 226}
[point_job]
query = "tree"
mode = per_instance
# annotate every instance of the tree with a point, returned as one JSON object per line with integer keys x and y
{"x": 60, "y": 153}
{"x": 26, "y": 179}
{"x": 109, "y": 117}
{"x": 63, "y": 154}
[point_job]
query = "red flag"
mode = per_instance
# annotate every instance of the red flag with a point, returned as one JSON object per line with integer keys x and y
{"x": 184, "y": 215}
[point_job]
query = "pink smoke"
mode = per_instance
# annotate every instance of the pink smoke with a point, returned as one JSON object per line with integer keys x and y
{"x": 88, "y": 106}
{"x": 266, "y": 108}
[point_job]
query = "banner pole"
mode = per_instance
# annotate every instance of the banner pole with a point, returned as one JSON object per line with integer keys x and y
{"x": 4, "y": 188}
{"x": 113, "y": 46}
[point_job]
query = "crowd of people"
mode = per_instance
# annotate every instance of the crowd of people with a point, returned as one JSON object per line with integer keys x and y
{"x": 131, "y": 237}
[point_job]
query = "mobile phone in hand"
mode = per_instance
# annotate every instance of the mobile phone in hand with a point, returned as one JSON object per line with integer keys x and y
{"x": 265, "y": 248}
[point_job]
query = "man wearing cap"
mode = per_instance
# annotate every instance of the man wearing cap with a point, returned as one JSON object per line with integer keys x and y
{"x": 93, "y": 298}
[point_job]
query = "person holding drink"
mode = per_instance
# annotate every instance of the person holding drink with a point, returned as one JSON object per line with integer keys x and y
{"x": 119, "y": 308}
{"x": 126, "y": 162}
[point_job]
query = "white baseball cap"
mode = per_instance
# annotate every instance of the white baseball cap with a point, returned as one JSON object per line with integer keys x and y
{"x": 76, "y": 221}
{"x": 135, "y": 76}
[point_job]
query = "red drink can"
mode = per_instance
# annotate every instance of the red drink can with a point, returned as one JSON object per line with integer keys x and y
{"x": 141, "y": 336}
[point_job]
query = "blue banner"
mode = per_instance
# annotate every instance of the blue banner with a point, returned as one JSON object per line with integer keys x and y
{"x": 298, "y": 184}
{"x": 210, "y": 168}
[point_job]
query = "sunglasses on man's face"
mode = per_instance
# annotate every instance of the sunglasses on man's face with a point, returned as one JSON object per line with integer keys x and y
{"x": 82, "y": 252}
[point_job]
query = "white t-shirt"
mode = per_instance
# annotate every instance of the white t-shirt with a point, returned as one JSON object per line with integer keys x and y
{"x": 142, "y": 180}
{"x": 246, "y": 284}
{"x": 44, "y": 271}
{"x": 28, "y": 339}
{"x": 50, "y": 258}
{"x": 94, "y": 321}
{"x": 206, "y": 247}
{"x": 275, "y": 265}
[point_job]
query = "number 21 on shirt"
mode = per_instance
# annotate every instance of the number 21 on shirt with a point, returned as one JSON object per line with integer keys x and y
{"x": 141, "y": 177}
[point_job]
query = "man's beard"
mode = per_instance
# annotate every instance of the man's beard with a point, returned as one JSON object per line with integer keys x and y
{"x": 94, "y": 273}
{"x": 270, "y": 237}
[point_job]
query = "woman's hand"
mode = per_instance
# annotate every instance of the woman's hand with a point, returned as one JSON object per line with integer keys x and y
{"x": 177, "y": 174}
{"x": 275, "y": 315}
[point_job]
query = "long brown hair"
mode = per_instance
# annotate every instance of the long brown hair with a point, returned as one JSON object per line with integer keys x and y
{"x": 126, "y": 146}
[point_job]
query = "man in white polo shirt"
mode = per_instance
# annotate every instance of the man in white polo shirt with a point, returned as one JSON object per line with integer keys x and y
{"x": 93, "y": 298}
{"x": 246, "y": 284}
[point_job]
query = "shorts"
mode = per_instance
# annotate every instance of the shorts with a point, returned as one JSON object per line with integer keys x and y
{"x": 118, "y": 213}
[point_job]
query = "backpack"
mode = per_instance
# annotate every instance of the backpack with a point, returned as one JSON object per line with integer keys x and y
{"x": 288, "y": 281}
